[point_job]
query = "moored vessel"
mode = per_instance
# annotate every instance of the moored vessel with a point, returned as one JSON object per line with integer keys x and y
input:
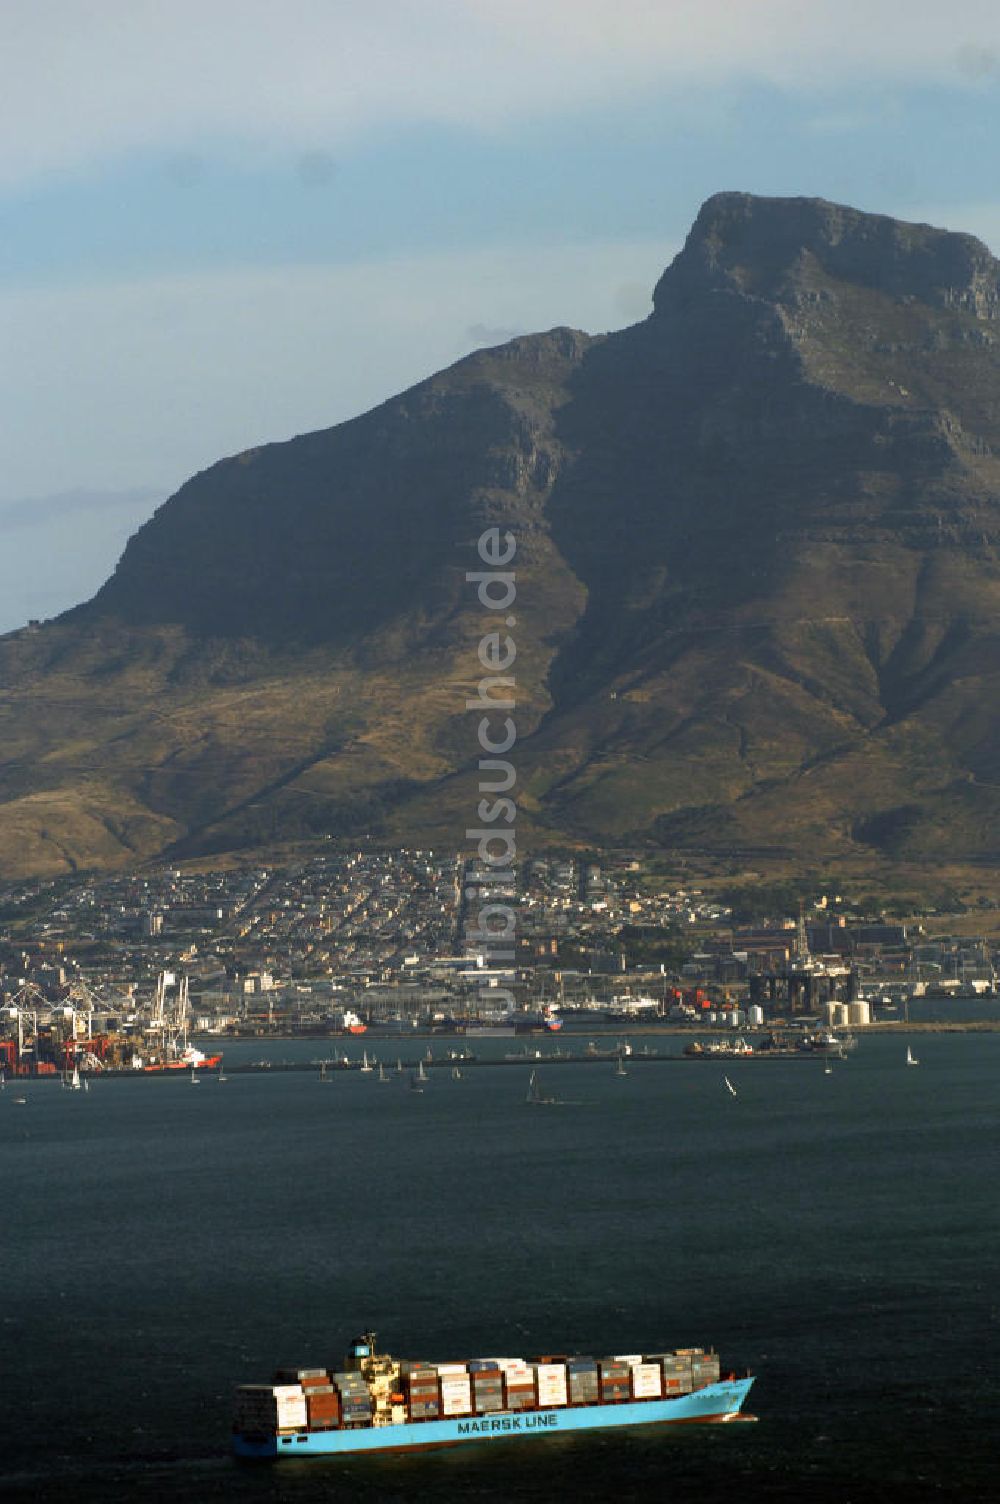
{"x": 377, "y": 1403}
{"x": 189, "y": 1059}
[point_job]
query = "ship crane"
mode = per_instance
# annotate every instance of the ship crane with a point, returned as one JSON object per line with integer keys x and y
{"x": 29, "y": 994}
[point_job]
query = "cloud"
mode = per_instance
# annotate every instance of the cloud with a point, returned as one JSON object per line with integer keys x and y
{"x": 83, "y": 83}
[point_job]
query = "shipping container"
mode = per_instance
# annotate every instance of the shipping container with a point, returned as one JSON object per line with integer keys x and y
{"x": 456, "y": 1394}
{"x": 485, "y": 1402}
{"x": 551, "y": 1381}
{"x": 647, "y": 1381}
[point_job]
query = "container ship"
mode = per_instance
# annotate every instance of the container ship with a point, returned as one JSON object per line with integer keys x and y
{"x": 376, "y": 1403}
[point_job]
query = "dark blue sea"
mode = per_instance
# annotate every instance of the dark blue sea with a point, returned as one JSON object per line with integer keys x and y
{"x": 837, "y": 1234}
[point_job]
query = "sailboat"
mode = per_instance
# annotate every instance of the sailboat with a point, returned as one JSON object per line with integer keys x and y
{"x": 535, "y": 1095}
{"x": 222, "y": 1074}
{"x": 381, "y": 1073}
{"x": 417, "y": 1082}
{"x": 421, "y": 1073}
{"x": 399, "y": 1066}
{"x": 911, "y": 1059}
{"x": 195, "y": 1079}
{"x": 828, "y": 1070}
{"x": 365, "y": 1062}
{"x": 729, "y": 1084}
{"x": 620, "y": 1067}
{"x": 75, "y": 1082}
{"x": 456, "y": 1074}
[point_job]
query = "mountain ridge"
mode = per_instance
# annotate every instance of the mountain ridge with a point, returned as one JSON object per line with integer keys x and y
{"x": 758, "y": 587}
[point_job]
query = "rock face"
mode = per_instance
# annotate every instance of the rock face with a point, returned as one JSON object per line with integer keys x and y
{"x": 758, "y": 587}
{"x": 761, "y": 246}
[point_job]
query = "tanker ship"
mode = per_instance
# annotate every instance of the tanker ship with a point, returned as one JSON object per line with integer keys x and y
{"x": 376, "y": 1403}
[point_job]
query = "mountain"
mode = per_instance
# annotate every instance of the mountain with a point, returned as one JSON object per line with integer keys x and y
{"x": 758, "y": 594}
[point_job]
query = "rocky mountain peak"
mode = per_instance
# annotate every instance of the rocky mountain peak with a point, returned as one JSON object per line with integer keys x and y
{"x": 765, "y": 246}
{"x": 758, "y": 589}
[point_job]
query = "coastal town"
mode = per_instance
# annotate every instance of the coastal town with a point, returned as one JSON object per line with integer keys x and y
{"x": 130, "y": 968}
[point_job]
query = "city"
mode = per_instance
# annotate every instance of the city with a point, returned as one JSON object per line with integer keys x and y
{"x": 126, "y": 970}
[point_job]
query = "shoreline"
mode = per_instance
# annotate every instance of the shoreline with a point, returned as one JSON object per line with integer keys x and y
{"x": 690, "y": 1031}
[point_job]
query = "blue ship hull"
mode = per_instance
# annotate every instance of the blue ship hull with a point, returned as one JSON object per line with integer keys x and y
{"x": 716, "y": 1402}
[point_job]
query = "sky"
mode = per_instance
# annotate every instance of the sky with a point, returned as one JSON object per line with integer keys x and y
{"x": 226, "y": 223}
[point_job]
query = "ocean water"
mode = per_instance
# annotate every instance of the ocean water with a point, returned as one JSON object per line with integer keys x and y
{"x": 838, "y": 1235}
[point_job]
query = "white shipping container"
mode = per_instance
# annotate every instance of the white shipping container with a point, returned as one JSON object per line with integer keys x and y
{"x": 444, "y": 1368}
{"x": 552, "y": 1394}
{"x": 291, "y": 1408}
{"x": 456, "y": 1391}
{"x": 286, "y": 1391}
{"x": 627, "y": 1358}
{"x": 455, "y": 1404}
{"x": 646, "y": 1385}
